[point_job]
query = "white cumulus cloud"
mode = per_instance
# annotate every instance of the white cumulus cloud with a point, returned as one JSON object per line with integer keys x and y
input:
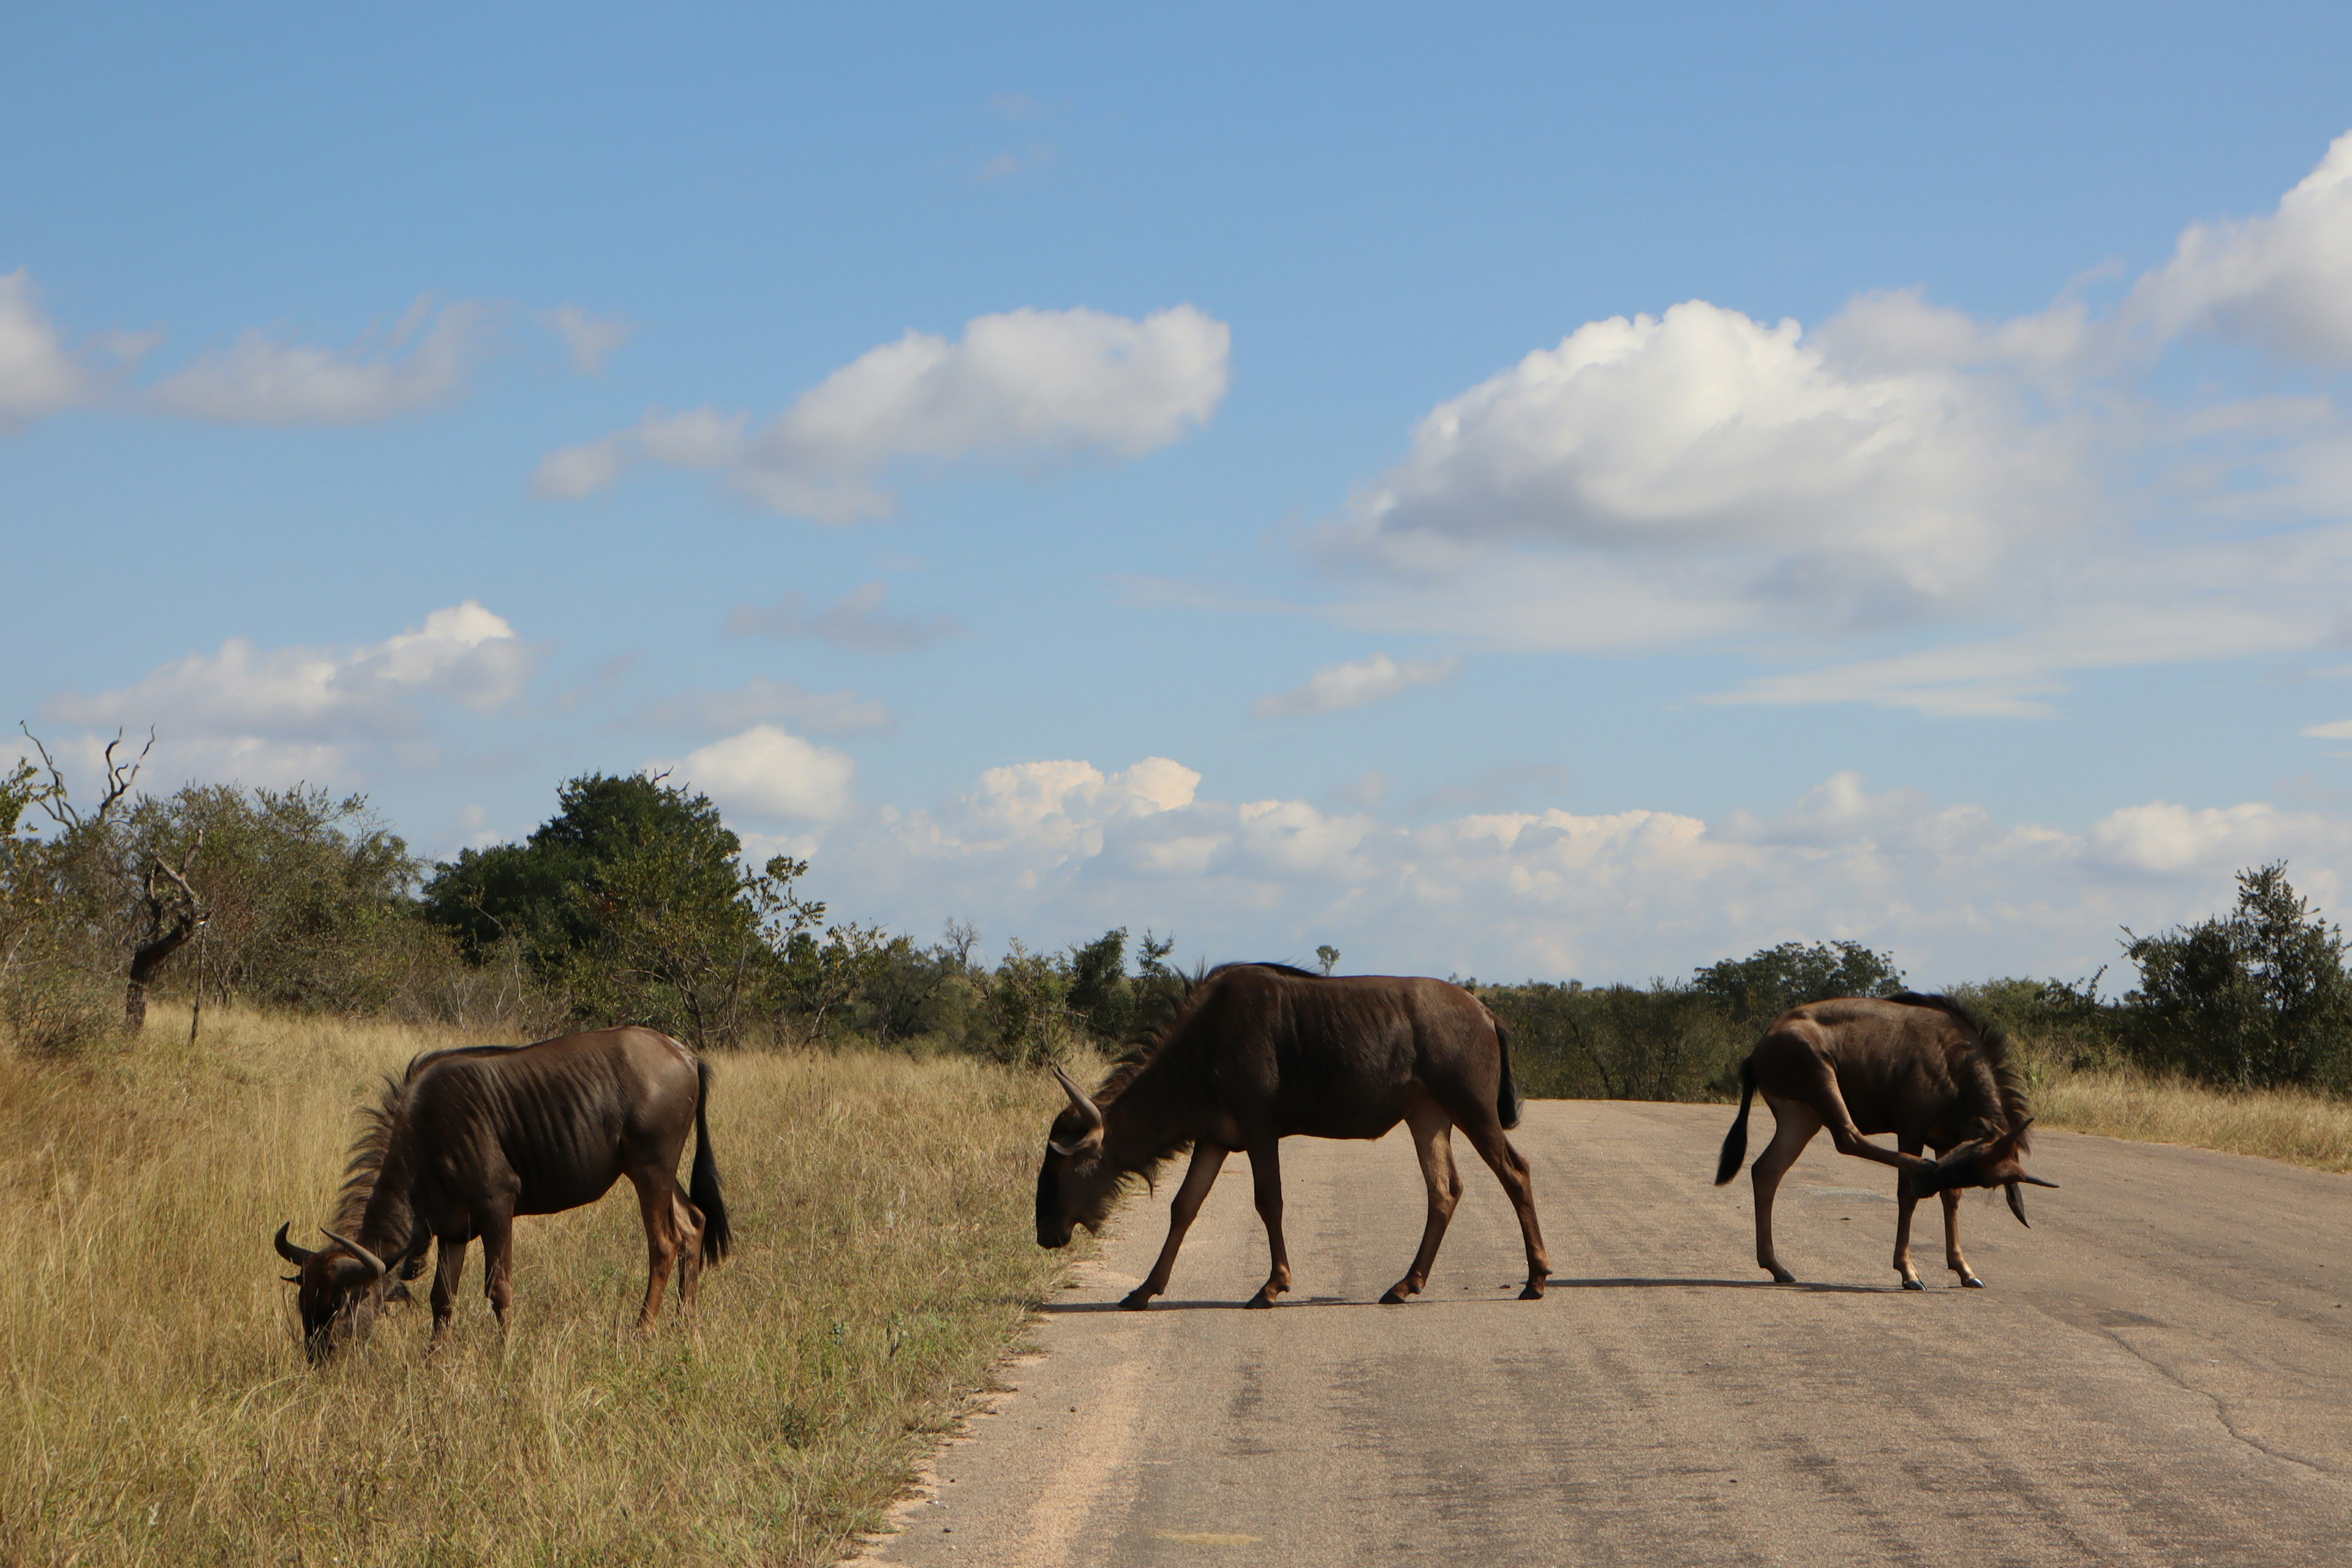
{"x": 1705, "y": 430}
{"x": 465, "y": 654}
{"x": 421, "y": 361}
{"x": 277, "y": 715}
{"x": 1906, "y": 507}
{"x": 1028, "y": 386}
{"x": 1335, "y": 688}
{"x": 2283, "y": 279}
{"x": 768, "y": 772}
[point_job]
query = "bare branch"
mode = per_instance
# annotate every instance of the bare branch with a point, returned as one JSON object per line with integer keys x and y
{"x": 120, "y": 777}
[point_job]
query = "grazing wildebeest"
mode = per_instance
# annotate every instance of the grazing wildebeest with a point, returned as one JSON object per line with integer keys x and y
{"x": 1257, "y": 1052}
{"x": 466, "y": 1140}
{"x": 1924, "y": 1068}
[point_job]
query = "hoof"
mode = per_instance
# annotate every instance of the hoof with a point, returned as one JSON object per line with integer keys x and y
{"x": 1134, "y": 1301}
{"x": 1395, "y": 1298}
{"x": 1970, "y": 1282}
{"x": 1259, "y": 1301}
{"x": 1534, "y": 1293}
{"x": 1782, "y": 1275}
{"x": 1914, "y": 1285}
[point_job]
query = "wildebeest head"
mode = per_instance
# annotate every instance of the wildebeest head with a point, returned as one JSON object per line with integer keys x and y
{"x": 338, "y": 1290}
{"x": 1986, "y": 1162}
{"x": 1072, "y": 1189}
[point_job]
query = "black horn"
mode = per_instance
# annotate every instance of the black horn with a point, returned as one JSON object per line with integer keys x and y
{"x": 2017, "y": 1205}
{"x": 374, "y": 1264}
{"x": 289, "y": 1251}
{"x": 1086, "y": 1109}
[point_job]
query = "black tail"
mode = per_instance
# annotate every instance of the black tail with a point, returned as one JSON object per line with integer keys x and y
{"x": 717, "y": 1237}
{"x": 1506, "y": 1098}
{"x": 1735, "y": 1142}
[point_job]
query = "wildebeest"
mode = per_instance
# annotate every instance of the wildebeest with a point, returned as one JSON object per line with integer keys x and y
{"x": 1257, "y": 1052}
{"x": 466, "y": 1140}
{"x": 1924, "y": 1068}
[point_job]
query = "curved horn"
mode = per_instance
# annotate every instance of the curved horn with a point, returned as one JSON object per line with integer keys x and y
{"x": 1087, "y": 1110}
{"x": 375, "y": 1264}
{"x": 2017, "y": 1205}
{"x": 2036, "y": 1181}
{"x": 289, "y": 1251}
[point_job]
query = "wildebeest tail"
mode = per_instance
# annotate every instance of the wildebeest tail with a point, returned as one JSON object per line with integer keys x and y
{"x": 1507, "y": 1097}
{"x": 1735, "y": 1142}
{"x": 717, "y": 1237}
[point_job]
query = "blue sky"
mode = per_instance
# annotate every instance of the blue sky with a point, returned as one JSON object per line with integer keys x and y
{"x": 1517, "y": 492}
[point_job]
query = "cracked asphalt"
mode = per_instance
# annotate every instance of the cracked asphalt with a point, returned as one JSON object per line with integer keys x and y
{"x": 2160, "y": 1372}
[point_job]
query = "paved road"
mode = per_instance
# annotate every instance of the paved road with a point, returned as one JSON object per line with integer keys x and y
{"x": 2161, "y": 1372}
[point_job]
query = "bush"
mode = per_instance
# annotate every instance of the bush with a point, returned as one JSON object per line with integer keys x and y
{"x": 2256, "y": 998}
{"x": 1617, "y": 1042}
{"x": 1759, "y": 988}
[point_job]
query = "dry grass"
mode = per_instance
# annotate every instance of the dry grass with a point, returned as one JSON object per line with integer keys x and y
{"x": 2294, "y": 1125}
{"x": 158, "y": 1409}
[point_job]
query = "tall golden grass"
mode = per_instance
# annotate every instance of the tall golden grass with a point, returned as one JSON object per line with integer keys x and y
{"x": 158, "y": 1409}
{"x": 2294, "y": 1125}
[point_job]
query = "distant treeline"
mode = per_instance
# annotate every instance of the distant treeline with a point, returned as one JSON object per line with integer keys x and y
{"x": 632, "y": 903}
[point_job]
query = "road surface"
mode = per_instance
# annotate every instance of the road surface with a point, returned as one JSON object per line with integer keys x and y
{"x": 2160, "y": 1372}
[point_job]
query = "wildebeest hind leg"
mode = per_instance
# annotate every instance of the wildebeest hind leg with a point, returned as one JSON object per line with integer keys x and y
{"x": 1793, "y": 1126}
{"x": 655, "y": 1190}
{"x": 1266, "y": 1178}
{"x": 1433, "y": 1142}
{"x": 1208, "y": 1158}
{"x": 1952, "y": 1258}
{"x": 689, "y": 1222}
{"x": 1511, "y": 1169}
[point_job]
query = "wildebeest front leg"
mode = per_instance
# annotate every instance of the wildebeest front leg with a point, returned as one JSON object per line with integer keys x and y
{"x": 1433, "y": 1141}
{"x": 1511, "y": 1169}
{"x": 1266, "y": 1177}
{"x": 1906, "y": 1198}
{"x": 1952, "y": 1258}
{"x": 498, "y": 1262}
{"x": 1208, "y": 1158}
{"x": 448, "y": 1271}
{"x": 1793, "y": 1127}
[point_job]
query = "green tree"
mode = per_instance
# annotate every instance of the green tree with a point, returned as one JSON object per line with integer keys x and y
{"x": 632, "y": 900}
{"x": 1755, "y": 990}
{"x": 1098, "y": 991}
{"x": 2256, "y": 997}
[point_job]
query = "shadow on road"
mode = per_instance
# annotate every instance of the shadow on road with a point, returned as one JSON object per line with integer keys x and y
{"x": 1807, "y": 1287}
{"x": 1290, "y": 1306}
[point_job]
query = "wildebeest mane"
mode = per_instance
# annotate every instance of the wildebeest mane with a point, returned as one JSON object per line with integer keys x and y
{"x": 1992, "y": 1045}
{"x": 378, "y": 1122}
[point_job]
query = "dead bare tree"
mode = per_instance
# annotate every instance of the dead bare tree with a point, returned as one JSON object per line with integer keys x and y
{"x": 172, "y": 910}
{"x": 173, "y": 915}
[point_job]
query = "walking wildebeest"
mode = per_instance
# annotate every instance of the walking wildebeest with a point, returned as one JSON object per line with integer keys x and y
{"x": 1922, "y": 1067}
{"x": 466, "y": 1140}
{"x": 1257, "y": 1052}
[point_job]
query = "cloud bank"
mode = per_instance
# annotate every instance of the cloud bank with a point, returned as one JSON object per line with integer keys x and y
{"x": 1057, "y": 851}
{"x": 276, "y": 715}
